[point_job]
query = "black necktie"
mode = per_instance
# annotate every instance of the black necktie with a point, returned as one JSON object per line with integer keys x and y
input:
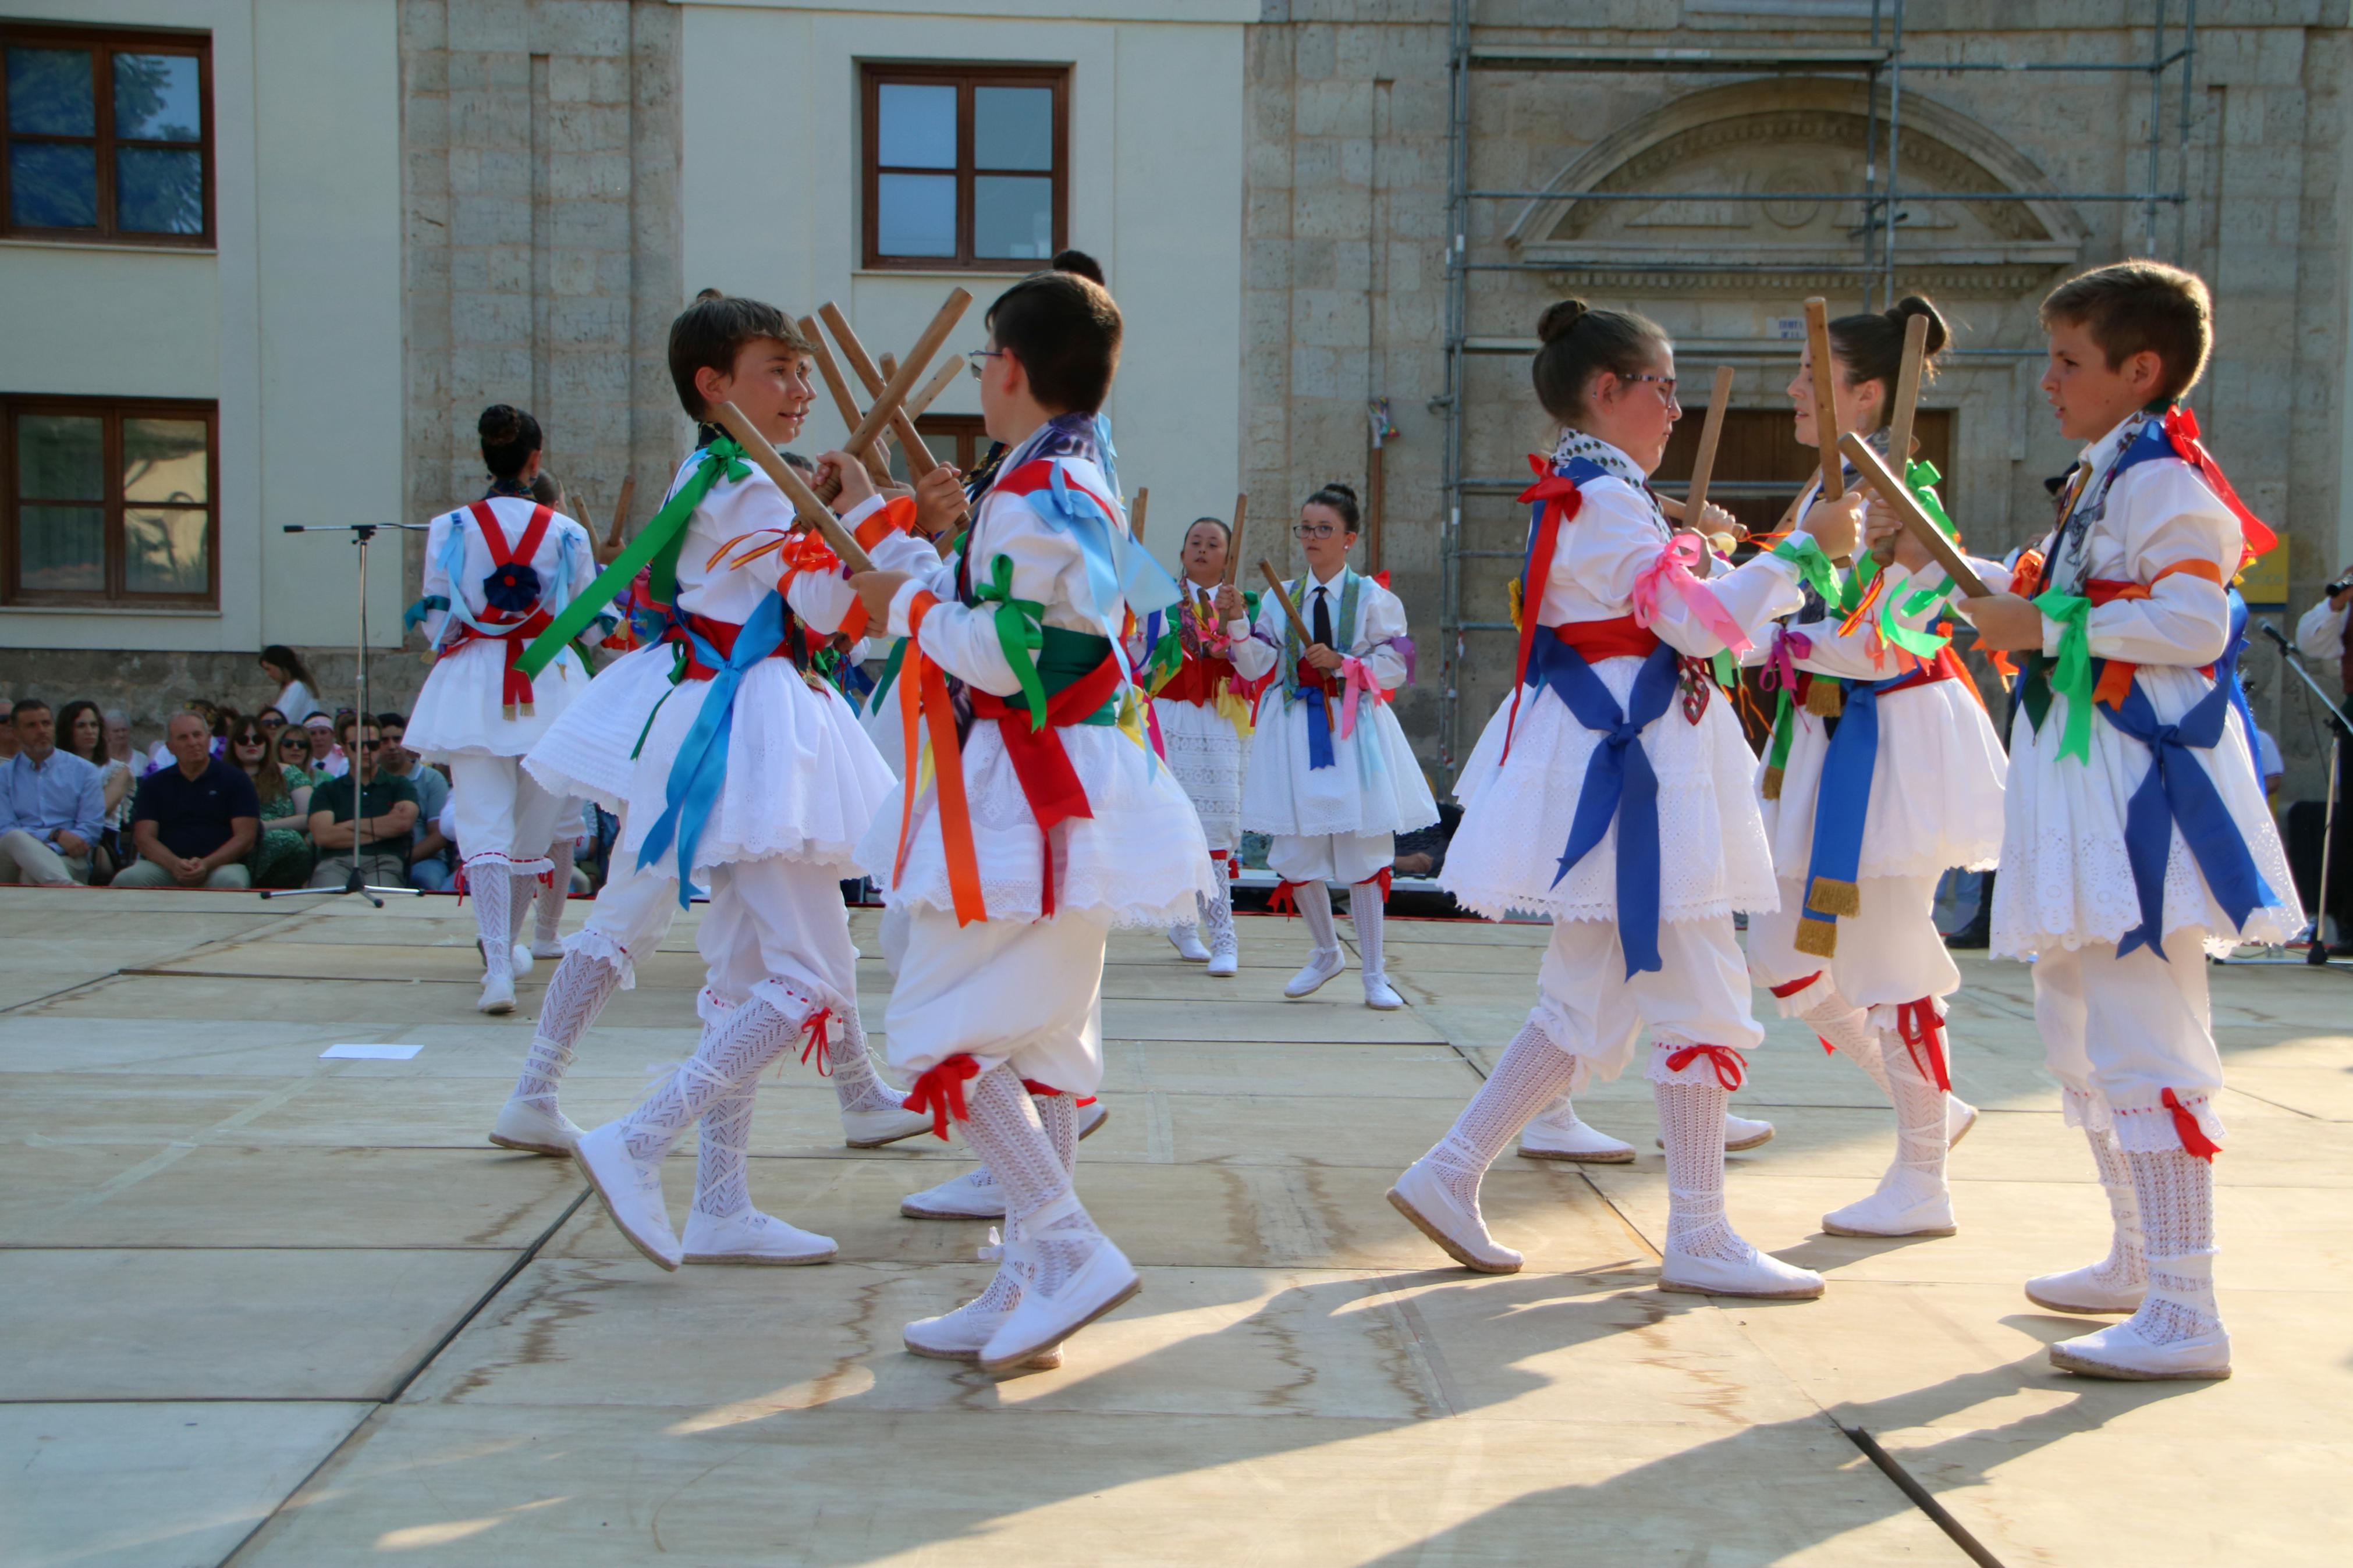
{"x": 1323, "y": 616}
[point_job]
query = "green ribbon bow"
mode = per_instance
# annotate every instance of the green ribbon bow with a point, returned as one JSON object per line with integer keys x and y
{"x": 1018, "y": 633}
{"x": 2071, "y": 674}
{"x": 1800, "y": 550}
{"x": 658, "y": 541}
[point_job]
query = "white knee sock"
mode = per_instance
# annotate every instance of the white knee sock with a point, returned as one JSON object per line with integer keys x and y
{"x": 2176, "y": 1190}
{"x": 1531, "y": 1074}
{"x": 1315, "y": 900}
{"x": 1365, "y": 911}
{"x": 732, "y": 1054}
{"x": 576, "y": 994}
{"x": 1691, "y": 1123}
{"x": 549, "y": 903}
{"x": 524, "y": 892}
{"x": 1004, "y": 1130}
{"x": 1217, "y": 911}
{"x": 1920, "y": 1144}
{"x": 493, "y": 890}
{"x": 2126, "y": 1264}
{"x": 856, "y": 1085}
{"x": 1057, "y": 1114}
{"x": 1846, "y": 1027}
{"x": 721, "y": 1189}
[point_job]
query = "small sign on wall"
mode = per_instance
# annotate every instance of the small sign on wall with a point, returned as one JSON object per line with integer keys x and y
{"x": 2263, "y": 585}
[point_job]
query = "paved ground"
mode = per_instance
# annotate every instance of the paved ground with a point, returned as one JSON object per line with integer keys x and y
{"x": 271, "y": 1310}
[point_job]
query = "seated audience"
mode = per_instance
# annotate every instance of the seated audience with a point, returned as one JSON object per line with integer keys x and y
{"x": 363, "y": 817}
{"x": 52, "y": 807}
{"x": 81, "y": 730}
{"x": 327, "y": 759}
{"x": 120, "y": 753}
{"x": 194, "y": 822}
{"x": 429, "y": 866}
{"x": 293, "y": 751}
{"x": 281, "y": 856}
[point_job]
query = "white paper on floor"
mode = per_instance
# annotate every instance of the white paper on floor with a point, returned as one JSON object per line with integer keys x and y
{"x": 363, "y": 1051}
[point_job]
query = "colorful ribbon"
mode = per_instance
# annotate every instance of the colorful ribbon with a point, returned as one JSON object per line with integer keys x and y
{"x": 1921, "y": 1030}
{"x": 698, "y": 771}
{"x": 2071, "y": 674}
{"x": 2187, "y": 1128}
{"x": 1673, "y": 570}
{"x": 939, "y": 1091}
{"x": 1557, "y": 500}
{"x": 1731, "y": 1068}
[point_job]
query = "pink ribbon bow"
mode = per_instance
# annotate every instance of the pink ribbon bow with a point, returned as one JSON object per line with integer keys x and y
{"x": 1357, "y": 676}
{"x": 1672, "y": 568}
{"x": 1782, "y": 664}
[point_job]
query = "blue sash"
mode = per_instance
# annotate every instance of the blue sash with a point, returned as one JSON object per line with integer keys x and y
{"x": 2177, "y": 790}
{"x": 1842, "y": 805}
{"x": 699, "y": 769}
{"x": 2226, "y": 673}
{"x": 1618, "y": 775}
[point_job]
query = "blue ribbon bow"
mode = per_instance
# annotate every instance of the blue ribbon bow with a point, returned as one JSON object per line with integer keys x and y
{"x": 2177, "y": 789}
{"x": 699, "y": 769}
{"x": 1619, "y": 785}
{"x": 1319, "y": 728}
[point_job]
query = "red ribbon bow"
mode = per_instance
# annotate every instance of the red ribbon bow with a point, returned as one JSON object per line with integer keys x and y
{"x": 1782, "y": 664}
{"x": 2193, "y": 1136}
{"x": 1921, "y": 1030}
{"x": 940, "y": 1091}
{"x": 1559, "y": 497}
{"x": 1730, "y": 1068}
{"x": 2181, "y": 429}
{"x": 819, "y": 1043}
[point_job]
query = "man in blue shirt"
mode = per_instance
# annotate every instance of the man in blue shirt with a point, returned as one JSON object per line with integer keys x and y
{"x": 196, "y": 821}
{"x": 52, "y": 806}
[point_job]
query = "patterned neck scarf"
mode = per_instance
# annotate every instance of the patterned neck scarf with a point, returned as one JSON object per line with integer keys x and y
{"x": 1575, "y": 443}
{"x": 2088, "y": 492}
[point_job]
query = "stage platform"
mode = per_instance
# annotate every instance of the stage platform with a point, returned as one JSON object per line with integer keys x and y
{"x": 267, "y": 1309}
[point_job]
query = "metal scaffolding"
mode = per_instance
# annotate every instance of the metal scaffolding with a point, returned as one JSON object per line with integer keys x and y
{"x": 1881, "y": 62}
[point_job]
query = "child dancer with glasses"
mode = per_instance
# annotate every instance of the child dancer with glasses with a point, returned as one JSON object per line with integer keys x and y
{"x": 1331, "y": 776}
{"x": 1612, "y": 791}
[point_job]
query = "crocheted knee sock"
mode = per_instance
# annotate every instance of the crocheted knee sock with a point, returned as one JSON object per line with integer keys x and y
{"x": 2126, "y": 1264}
{"x": 2176, "y": 1190}
{"x": 856, "y": 1085}
{"x": 721, "y": 1189}
{"x": 1218, "y": 911}
{"x": 1920, "y": 1142}
{"x": 732, "y": 1054}
{"x": 1531, "y": 1074}
{"x": 1004, "y": 1129}
{"x": 1846, "y": 1029}
{"x": 523, "y": 891}
{"x": 548, "y": 903}
{"x": 1314, "y": 901}
{"x": 576, "y": 994}
{"x": 1690, "y": 1122}
{"x": 493, "y": 890}
{"x": 1058, "y": 1114}
{"x": 1365, "y": 911}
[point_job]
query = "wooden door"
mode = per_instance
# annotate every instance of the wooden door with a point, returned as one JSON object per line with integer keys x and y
{"x": 1760, "y": 468}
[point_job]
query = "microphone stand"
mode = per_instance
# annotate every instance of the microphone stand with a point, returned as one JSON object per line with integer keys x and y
{"x": 2317, "y": 953}
{"x": 361, "y": 532}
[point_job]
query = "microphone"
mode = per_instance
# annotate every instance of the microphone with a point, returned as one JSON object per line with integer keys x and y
{"x": 2271, "y": 630}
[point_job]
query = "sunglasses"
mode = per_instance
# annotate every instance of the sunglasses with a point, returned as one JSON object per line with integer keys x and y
{"x": 371, "y": 745}
{"x": 251, "y": 741}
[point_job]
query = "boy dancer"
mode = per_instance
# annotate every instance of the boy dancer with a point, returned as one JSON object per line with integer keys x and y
{"x": 2137, "y": 838}
{"x": 724, "y": 762}
{"x": 1028, "y": 837}
{"x": 496, "y": 573}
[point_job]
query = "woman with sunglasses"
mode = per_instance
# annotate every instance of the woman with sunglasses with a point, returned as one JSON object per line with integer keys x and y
{"x": 1612, "y": 791}
{"x": 1331, "y": 776}
{"x": 293, "y": 751}
{"x": 281, "y": 855}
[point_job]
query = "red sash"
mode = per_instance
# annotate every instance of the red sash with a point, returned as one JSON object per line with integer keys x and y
{"x": 1049, "y": 782}
{"x": 721, "y": 635}
{"x": 1618, "y": 637}
{"x": 1202, "y": 676}
{"x": 506, "y": 626}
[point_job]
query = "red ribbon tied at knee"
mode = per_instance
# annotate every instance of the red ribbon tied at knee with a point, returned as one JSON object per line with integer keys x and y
{"x": 1924, "y": 1029}
{"x": 819, "y": 1042}
{"x": 2193, "y": 1136}
{"x": 1730, "y": 1068}
{"x": 939, "y": 1092}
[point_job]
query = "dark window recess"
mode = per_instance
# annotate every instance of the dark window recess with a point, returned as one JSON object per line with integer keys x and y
{"x": 956, "y": 438}
{"x": 109, "y": 501}
{"x": 106, "y": 135}
{"x": 966, "y": 168}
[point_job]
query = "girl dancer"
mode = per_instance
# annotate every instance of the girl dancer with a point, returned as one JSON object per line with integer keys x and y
{"x": 1331, "y": 775}
{"x": 1203, "y": 710}
{"x": 1882, "y": 772}
{"x": 496, "y": 573}
{"x": 1618, "y": 733}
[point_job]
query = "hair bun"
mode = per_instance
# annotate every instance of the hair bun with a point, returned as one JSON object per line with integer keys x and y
{"x": 1560, "y": 319}
{"x": 1336, "y": 488}
{"x": 499, "y": 424}
{"x": 1913, "y": 305}
{"x": 1080, "y": 264}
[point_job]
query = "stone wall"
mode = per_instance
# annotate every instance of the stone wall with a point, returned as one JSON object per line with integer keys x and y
{"x": 1346, "y": 247}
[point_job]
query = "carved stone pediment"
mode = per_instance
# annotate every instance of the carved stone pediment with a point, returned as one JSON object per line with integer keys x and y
{"x": 1809, "y": 137}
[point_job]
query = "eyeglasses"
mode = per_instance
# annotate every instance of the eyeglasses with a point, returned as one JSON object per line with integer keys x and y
{"x": 1666, "y": 384}
{"x": 1315, "y": 530}
{"x": 371, "y": 745}
{"x": 973, "y": 356}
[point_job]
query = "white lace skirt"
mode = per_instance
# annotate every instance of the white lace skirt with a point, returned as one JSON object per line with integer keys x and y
{"x": 1712, "y": 856}
{"x": 1374, "y": 785}
{"x": 1205, "y": 753}
{"x": 886, "y": 728}
{"x": 462, "y": 706}
{"x": 1138, "y": 861}
{"x": 1936, "y": 794}
{"x": 802, "y": 779}
{"x": 2064, "y": 880}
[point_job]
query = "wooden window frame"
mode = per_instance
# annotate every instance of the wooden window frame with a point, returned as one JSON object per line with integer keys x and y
{"x": 113, "y": 411}
{"x": 958, "y": 438}
{"x": 873, "y": 75}
{"x": 105, "y": 43}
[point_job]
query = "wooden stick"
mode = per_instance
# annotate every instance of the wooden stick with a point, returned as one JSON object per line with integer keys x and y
{"x": 1899, "y": 422}
{"x": 942, "y": 379}
{"x": 1826, "y": 424}
{"x": 1234, "y": 536}
{"x": 1898, "y": 495}
{"x": 621, "y": 511}
{"x": 1710, "y": 431}
{"x": 1135, "y": 514}
{"x": 1306, "y": 637}
{"x": 920, "y": 461}
{"x": 813, "y": 511}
